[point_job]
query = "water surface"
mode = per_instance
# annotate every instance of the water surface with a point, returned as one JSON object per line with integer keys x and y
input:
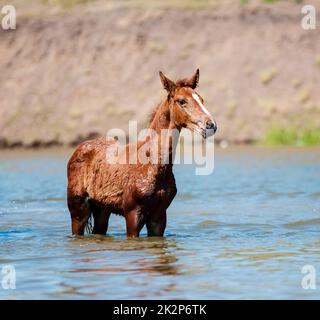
{"x": 243, "y": 232}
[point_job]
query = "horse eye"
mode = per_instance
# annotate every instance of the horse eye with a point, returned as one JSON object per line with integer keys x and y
{"x": 182, "y": 102}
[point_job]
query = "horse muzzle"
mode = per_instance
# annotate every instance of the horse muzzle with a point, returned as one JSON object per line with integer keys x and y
{"x": 211, "y": 125}
{"x": 209, "y": 129}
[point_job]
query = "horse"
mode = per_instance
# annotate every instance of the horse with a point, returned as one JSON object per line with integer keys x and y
{"x": 140, "y": 192}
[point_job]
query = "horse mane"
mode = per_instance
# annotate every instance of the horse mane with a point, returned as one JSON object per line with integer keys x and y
{"x": 180, "y": 83}
{"x": 153, "y": 112}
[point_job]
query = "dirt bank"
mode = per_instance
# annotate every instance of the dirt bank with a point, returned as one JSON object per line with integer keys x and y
{"x": 68, "y": 75}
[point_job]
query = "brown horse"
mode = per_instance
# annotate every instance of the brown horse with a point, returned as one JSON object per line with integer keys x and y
{"x": 140, "y": 192}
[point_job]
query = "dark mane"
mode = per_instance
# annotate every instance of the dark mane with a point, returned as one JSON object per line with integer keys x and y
{"x": 153, "y": 112}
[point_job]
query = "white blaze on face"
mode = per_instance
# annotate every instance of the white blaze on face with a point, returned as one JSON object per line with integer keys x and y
{"x": 198, "y": 100}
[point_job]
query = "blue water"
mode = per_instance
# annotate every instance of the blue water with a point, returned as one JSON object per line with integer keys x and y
{"x": 243, "y": 232}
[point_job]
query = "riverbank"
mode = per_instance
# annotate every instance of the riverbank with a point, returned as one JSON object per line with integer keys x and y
{"x": 69, "y": 75}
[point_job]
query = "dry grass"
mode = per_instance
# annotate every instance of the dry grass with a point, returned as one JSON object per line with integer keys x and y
{"x": 27, "y": 6}
{"x": 267, "y": 75}
{"x": 304, "y": 96}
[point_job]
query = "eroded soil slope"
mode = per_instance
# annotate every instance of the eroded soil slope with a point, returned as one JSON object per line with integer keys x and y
{"x": 68, "y": 75}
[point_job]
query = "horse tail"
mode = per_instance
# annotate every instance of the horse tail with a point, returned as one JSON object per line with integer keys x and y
{"x": 89, "y": 224}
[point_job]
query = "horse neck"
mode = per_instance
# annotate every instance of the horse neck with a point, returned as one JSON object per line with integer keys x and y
{"x": 164, "y": 127}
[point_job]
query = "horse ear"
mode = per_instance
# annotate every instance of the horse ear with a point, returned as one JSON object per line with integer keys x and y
{"x": 168, "y": 84}
{"x": 194, "y": 80}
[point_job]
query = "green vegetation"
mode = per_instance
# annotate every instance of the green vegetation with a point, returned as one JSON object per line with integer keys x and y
{"x": 291, "y": 137}
{"x": 311, "y": 137}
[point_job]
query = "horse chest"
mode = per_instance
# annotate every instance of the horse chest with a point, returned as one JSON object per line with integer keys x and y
{"x": 154, "y": 192}
{"x": 155, "y": 188}
{"x": 161, "y": 194}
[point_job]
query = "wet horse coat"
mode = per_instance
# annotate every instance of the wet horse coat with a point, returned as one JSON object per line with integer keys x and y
{"x": 140, "y": 192}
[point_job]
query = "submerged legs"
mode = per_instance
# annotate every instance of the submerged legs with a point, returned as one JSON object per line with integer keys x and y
{"x": 101, "y": 219}
{"x": 80, "y": 211}
{"x": 135, "y": 221}
{"x": 156, "y": 223}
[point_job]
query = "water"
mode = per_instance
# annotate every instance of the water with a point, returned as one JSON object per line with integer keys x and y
{"x": 244, "y": 232}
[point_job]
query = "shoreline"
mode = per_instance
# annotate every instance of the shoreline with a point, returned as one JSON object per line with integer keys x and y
{"x": 61, "y": 149}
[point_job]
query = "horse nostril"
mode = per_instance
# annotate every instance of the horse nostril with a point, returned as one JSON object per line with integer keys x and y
{"x": 215, "y": 127}
{"x": 211, "y": 125}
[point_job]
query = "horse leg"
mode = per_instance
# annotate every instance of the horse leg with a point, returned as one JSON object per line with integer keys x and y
{"x": 156, "y": 223}
{"x": 134, "y": 222}
{"x": 80, "y": 212}
{"x": 101, "y": 219}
